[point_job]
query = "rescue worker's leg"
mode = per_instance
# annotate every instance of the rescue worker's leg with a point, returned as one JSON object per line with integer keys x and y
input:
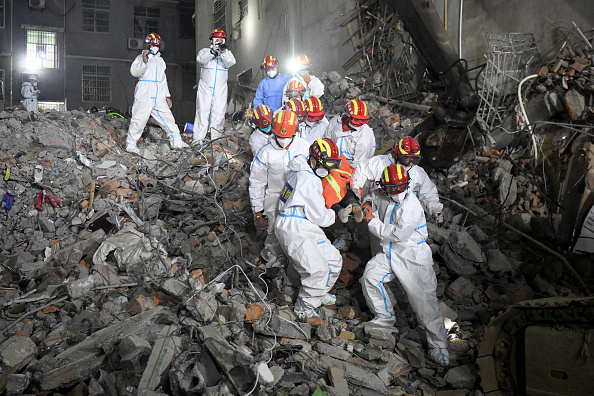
{"x": 273, "y": 252}
{"x": 141, "y": 111}
{"x": 334, "y": 260}
{"x": 420, "y": 284}
{"x": 203, "y": 102}
{"x": 377, "y": 274}
{"x": 217, "y": 114}
{"x": 162, "y": 114}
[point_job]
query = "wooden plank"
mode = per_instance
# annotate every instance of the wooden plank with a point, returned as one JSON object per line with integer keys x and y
{"x": 355, "y": 44}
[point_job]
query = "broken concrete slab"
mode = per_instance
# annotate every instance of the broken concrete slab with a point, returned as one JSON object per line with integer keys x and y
{"x": 166, "y": 347}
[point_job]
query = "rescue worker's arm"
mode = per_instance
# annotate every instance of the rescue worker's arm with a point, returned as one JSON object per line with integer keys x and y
{"x": 258, "y": 182}
{"x": 204, "y": 56}
{"x": 401, "y": 229}
{"x": 27, "y": 91}
{"x": 363, "y": 172}
{"x": 138, "y": 67}
{"x": 317, "y": 87}
{"x": 228, "y": 58}
{"x": 365, "y": 147}
{"x": 428, "y": 192}
{"x": 259, "y": 98}
{"x": 316, "y": 210}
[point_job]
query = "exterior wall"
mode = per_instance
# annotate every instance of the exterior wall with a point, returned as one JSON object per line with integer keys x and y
{"x": 283, "y": 28}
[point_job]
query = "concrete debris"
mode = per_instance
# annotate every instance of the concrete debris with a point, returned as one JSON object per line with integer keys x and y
{"x": 148, "y": 276}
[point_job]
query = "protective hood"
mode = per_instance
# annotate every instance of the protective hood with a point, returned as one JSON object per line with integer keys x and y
{"x": 299, "y": 163}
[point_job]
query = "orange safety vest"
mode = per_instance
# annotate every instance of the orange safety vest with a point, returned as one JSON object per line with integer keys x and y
{"x": 335, "y": 184}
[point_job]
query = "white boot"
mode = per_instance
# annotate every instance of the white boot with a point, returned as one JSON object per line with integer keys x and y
{"x": 304, "y": 313}
{"x": 440, "y": 356}
{"x": 329, "y": 299}
{"x": 131, "y": 148}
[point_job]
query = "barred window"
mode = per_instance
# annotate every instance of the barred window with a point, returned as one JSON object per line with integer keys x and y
{"x": 95, "y": 16}
{"x": 146, "y": 21}
{"x": 219, "y": 14}
{"x": 96, "y": 84}
{"x": 42, "y": 49}
{"x": 2, "y": 8}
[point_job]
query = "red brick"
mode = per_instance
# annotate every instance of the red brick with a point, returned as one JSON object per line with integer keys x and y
{"x": 346, "y": 278}
{"x": 254, "y": 311}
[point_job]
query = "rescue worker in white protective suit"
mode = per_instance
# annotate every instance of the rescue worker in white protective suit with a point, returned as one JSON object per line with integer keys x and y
{"x": 316, "y": 123}
{"x": 407, "y": 153}
{"x": 268, "y": 175}
{"x": 263, "y": 130}
{"x": 30, "y": 93}
{"x": 396, "y": 217}
{"x": 297, "y": 107}
{"x": 151, "y": 96}
{"x": 211, "y": 98}
{"x": 294, "y": 90}
{"x": 302, "y": 213}
{"x": 313, "y": 85}
{"x": 354, "y": 138}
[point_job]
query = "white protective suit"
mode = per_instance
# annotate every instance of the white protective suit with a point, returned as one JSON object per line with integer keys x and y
{"x": 402, "y": 230}
{"x": 301, "y": 214}
{"x": 315, "y": 132}
{"x": 30, "y": 94}
{"x": 150, "y": 99}
{"x": 268, "y": 175}
{"x": 211, "y": 98}
{"x": 357, "y": 146}
{"x": 420, "y": 183}
{"x": 258, "y": 139}
{"x": 315, "y": 88}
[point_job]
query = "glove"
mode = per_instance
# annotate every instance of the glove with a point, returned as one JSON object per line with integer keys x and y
{"x": 343, "y": 214}
{"x": 145, "y": 56}
{"x": 357, "y": 213}
{"x": 214, "y": 52}
{"x": 367, "y": 216}
{"x": 169, "y": 102}
{"x": 259, "y": 219}
{"x": 261, "y": 223}
{"x": 222, "y": 47}
{"x": 438, "y": 217}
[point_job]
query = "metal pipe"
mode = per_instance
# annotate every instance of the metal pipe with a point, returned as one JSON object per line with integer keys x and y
{"x": 460, "y": 30}
{"x": 412, "y": 106}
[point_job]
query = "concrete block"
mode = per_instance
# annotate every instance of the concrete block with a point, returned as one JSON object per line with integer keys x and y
{"x": 332, "y": 351}
{"x": 166, "y": 347}
{"x": 16, "y": 351}
{"x": 337, "y": 380}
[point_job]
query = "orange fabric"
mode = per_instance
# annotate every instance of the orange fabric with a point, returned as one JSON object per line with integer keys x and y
{"x": 306, "y": 78}
{"x": 335, "y": 184}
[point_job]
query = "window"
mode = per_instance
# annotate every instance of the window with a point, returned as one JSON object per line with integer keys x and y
{"x": 96, "y": 84}
{"x": 59, "y": 106}
{"x": 95, "y": 16}
{"x": 42, "y": 49}
{"x": 219, "y": 15}
{"x": 146, "y": 21}
{"x": 186, "y": 20}
{"x": 2, "y": 7}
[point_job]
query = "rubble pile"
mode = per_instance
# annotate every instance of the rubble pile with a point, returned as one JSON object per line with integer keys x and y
{"x": 142, "y": 276}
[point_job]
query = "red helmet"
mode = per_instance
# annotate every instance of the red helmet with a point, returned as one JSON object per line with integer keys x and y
{"x": 285, "y": 123}
{"x": 269, "y": 62}
{"x": 325, "y": 153}
{"x": 153, "y": 39}
{"x": 356, "y": 111}
{"x": 313, "y": 106}
{"x": 304, "y": 62}
{"x": 297, "y": 107}
{"x": 295, "y": 89}
{"x": 394, "y": 179}
{"x": 218, "y": 33}
{"x": 407, "y": 151}
{"x": 262, "y": 116}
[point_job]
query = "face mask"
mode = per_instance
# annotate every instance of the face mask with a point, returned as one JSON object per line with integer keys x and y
{"x": 321, "y": 172}
{"x": 284, "y": 142}
{"x": 271, "y": 73}
{"x": 398, "y": 198}
{"x": 267, "y": 129}
{"x": 304, "y": 72}
{"x": 154, "y": 50}
{"x": 311, "y": 124}
{"x": 353, "y": 127}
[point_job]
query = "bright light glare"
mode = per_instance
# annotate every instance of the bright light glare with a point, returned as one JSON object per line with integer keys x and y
{"x": 294, "y": 66}
{"x": 33, "y": 63}
{"x": 448, "y": 323}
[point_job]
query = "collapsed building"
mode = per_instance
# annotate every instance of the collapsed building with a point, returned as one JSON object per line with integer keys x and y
{"x": 125, "y": 274}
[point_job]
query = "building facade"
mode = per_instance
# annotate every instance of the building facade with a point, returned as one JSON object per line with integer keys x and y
{"x": 81, "y": 51}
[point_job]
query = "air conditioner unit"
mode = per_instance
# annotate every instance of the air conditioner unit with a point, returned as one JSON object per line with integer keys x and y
{"x": 136, "y": 43}
{"x": 37, "y": 4}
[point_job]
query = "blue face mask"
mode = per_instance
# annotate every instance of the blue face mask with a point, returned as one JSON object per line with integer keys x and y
{"x": 304, "y": 72}
{"x": 267, "y": 129}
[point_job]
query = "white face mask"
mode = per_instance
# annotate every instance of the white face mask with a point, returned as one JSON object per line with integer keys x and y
{"x": 398, "y": 198}
{"x": 154, "y": 50}
{"x": 284, "y": 142}
{"x": 311, "y": 124}
{"x": 356, "y": 128}
{"x": 271, "y": 73}
{"x": 321, "y": 172}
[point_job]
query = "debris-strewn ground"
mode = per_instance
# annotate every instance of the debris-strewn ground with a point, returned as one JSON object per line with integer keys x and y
{"x": 125, "y": 274}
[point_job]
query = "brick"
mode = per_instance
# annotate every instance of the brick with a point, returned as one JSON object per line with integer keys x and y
{"x": 211, "y": 236}
{"x": 315, "y": 321}
{"x": 347, "y": 335}
{"x": 22, "y": 333}
{"x": 52, "y": 308}
{"x": 347, "y": 312}
{"x": 137, "y": 305}
{"x": 349, "y": 264}
{"x": 254, "y": 311}
{"x": 197, "y": 275}
{"x": 346, "y": 278}
{"x": 109, "y": 186}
